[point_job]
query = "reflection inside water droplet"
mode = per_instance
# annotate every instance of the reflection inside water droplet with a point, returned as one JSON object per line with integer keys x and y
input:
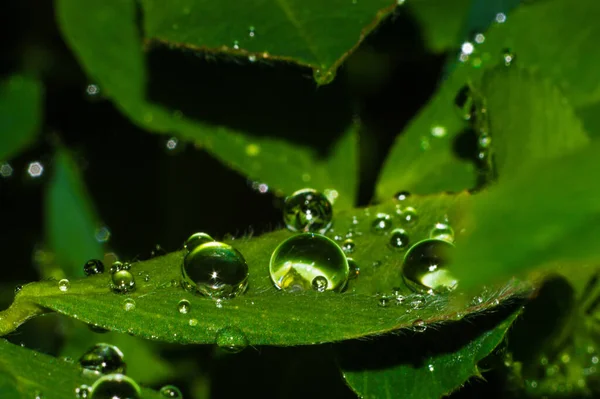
{"x": 307, "y": 210}
{"x": 128, "y": 304}
{"x": 399, "y": 239}
{"x": 184, "y": 306}
{"x": 442, "y": 231}
{"x": 408, "y": 216}
{"x": 115, "y": 386}
{"x": 64, "y": 285}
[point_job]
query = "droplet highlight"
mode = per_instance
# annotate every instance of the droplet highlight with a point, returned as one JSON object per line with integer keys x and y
{"x": 232, "y": 339}
{"x": 442, "y": 231}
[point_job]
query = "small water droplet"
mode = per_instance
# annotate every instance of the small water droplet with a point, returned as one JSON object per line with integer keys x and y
{"x": 64, "y": 285}
{"x": 438, "y": 131}
{"x": 18, "y": 289}
{"x": 184, "y": 306}
{"x": 193, "y": 322}
{"x": 431, "y": 367}
{"x": 236, "y": 45}
{"x": 319, "y": 284}
{"x": 83, "y": 392}
{"x": 297, "y": 261}
{"x": 384, "y": 301}
{"x": 92, "y": 90}
{"x": 251, "y": 32}
{"x": 348, "y": 246}
{"x": 232, "y": 339}
{"x": 500, "y": 18}
{"x": 38, "y": 395}
{"x": 93, "y": 266}
{"x": 419, "y": 325}
{"x": 401, "y": 196}
{"x": 382, "y": 223}
{"x": 115, "y": 386}
{"x": 399, "y": 239}
{"x": 196, "y": 240}
{"x": 508, "y": 57}
{"x": 354, "y": 269}
{"x": 408, "y": 216}
{"x": 442, "y": 231}
{"x": 252, "y": 58}
{"x": 117, "y": 266}
{"x": 216, "y": 270}
{"x": 103, "y": 359}
{"x": 425, "y": 266}
{"x": 128, "y": 304}
{"x": 464, "y": 103}
{"x": 171, "y": 391}
{"x": 307, "y": 210}
{"x": 122, "y": 281}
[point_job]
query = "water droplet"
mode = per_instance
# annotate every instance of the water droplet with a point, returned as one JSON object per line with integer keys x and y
{"x": 93, "y": 266}
{"x": 399, "y": 239}
{"x": 425, "y": 266}
{"x": 193, "y": 322}
{"x": 252, "y": 58}
{"x": 38, "y": 395}
{"x": 117, "y": 266}
{"x": 307, "y": 210}
{"x": 500, "y": 18}
{"x": 442, "y": 231}
{"x": 251, "y": 31}
{"x": 508, "y": 57}
{"x": 297, "y": 261}
{"x": 184, "y": 306}
{"x": 438, "y": 131}
{"x": 18, "y": 288}
{"x": 83, "y": 392}
{"x": 431, "y": 367}
{"x": 319, "y": 284}
{"x": 128, "y": 304}
{"x": 103, "y": 359}
{"x": 348, "y": 246}
{"x": 115, "y": 386}
{"x": 216, "y": 270}
{"x": 419, "y": 325}
{"x": 382, "y": 223}
{"x": 195, "y": 240}
{"x": 171, "y": 391}
{"x": 408, "y": 216}
{"x": 479, "y": 38}
{"x": 232, "y": 339}
{"x": 384, "y": 301}
{"x": 64, "y": 285}
{"x": 92, "y": 90}
{"x": 401, "y": 195}
{"x": 122, "y": 281}
{"x": 464, "y": 103}
{"x": 354, "y": 269}
{"x": 236, "y": 45}
{"x": 35, "y": 169}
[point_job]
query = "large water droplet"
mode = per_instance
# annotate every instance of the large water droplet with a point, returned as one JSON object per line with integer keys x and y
{"x": 122, "y": 281}
{"x": 93, "y": 266}
{"x": 64, "y": 285}
{"x": 216, "y": 270}
{"x": 171, "y": 391}
{"x": 399, "y": 239}
{"x": 115, "y": 386}
{"x": 184, "y": 306}
{"x": 382, "y": 223}
{"x": 425, "y": 266}
{"x": 442, "y": 231}
{"x": 464, "y": 103}
{"x": 103, "y": 359}
{"x": 307, "y": 210}
{"x": 232, "y": 339}
{"x": 300, "y": 259}
{"x": 196, "y": 240}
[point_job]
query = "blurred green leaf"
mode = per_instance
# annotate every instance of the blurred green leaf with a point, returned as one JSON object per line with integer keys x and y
{"x": 441, "y": 21}
{"x": 529, "y": 120}
{"x": 20, "y": 114}
{"x": 71, "y": 222}
{"x": 317, "y": 34}
{"x": 105, "y": 39}
{"x": 545, "y": 217}
{"x": 415, "y": 372}
{"x": 34, "y": 374}
{"x": 266, "y": 315}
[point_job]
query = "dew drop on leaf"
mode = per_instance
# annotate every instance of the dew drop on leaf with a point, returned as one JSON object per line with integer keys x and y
{"x": 307, "y": 210}
{"x": 401, "y": 196}
{"x": 128, "y": 305}
{"x": 115, "y": 386}
{"x": 464, "y": 103}
{"x": 83, "y": 392}
{"x": 122, "y": 281}
{"x": 93, "y": 266}
{"x": 195, "y": 240}
{"x": 408, "y": 216}
{"x": 384, "y": 301}
{"x": 171, "y": 391}
{"x": 399, "y": 239}
{"x": 425, "y": 266}
{"x": 231, "y": 339}
{"x": 442, "y": 231}
{"x": 382, "y": 223}
{"x": 419, "y": 325}
{"x": 348, "y": 246}
{"x": 297, "y": 261}
{"x": 319, "y": 284}
{"x": 184, "y": 306}
{"x": 508, "y": 57}
{"x": 64, "y": 285}
{"x": 103, "y": 359}
{"x": 251, "y": 31}
{"x": 216, "y": 270}
{"x": 18, "y": 288}
{"x": 354, "y": 269}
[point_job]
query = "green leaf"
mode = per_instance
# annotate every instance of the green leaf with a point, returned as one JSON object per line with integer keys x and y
{"x": 410, "y": 370}
{"x": 441, "y": 21}
{"x": 547, "y": 216}
{"x": 529, "y": 120}
{"x": 105, "y": 39}
{"x": 71, "y": 222}
{"x": 316, "y": 34}
{"x": 266, "y": 315}
{"x": 33, "y": 373}
{"x": 20, "y": 114}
